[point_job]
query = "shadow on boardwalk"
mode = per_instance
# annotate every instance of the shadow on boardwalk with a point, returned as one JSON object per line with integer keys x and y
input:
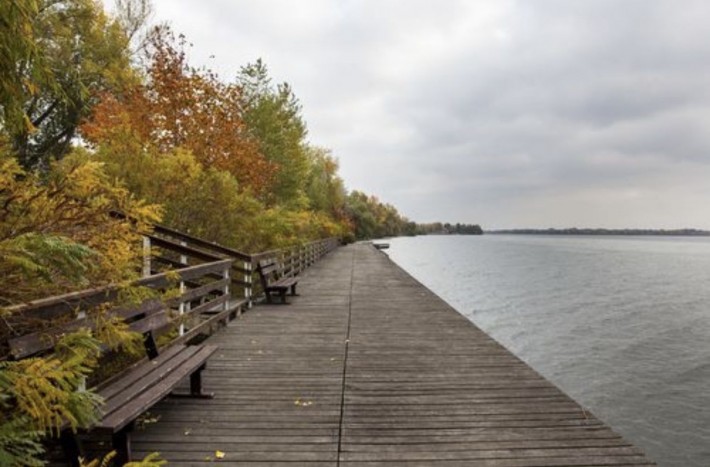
{"x": 368, "y": 367}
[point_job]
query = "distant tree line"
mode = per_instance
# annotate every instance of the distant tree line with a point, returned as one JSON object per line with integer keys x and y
{"x": 586, "y": 231}
{"x": 437, "y": 228}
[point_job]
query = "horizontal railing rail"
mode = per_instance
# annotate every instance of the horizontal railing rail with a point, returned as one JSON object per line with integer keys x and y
{"x": 173, "y": 249}
{"x": 198, "y": 298}
{"x": 208, "y": 283}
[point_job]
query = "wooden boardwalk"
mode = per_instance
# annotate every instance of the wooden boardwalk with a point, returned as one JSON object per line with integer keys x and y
{"x": 368, "y": 367}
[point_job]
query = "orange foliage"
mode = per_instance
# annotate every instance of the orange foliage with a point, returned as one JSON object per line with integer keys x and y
{"x": 181, "y": 106}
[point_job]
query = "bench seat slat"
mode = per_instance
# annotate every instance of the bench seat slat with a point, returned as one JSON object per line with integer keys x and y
{"x": 284, "y": 283}
{"x": 135, "y": 375}
{"x": 128, "y": 412}
{"x": 156, "y": 376}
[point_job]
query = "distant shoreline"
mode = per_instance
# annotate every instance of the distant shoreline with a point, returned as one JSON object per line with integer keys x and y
{"x": 577, "y": 231}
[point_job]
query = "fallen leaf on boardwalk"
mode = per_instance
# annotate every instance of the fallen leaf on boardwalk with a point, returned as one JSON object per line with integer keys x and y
{"x": 219, "y": 454}
{"x": 187, "y": 432}
{"x": 332, "y": 359}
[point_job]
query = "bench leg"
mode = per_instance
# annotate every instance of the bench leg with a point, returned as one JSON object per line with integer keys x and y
{"x": 121, "y": 443}
{"x": 71, "y": 447}
{"x": 268, "y": 297}
{"x": 283, "y": 296}
{"x": 195, "y": 387}
{"x": 293, "y": 290}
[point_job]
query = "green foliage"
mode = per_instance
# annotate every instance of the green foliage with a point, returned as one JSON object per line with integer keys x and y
{"x": 57, "y": 232}
{"x": 45, "y": 390}
{"x": 17, "y": 46}
{"x": 39, "y": 256}
{"x": 38, "y": 395}
{"x": 19, "y": 446}
{"x": 373, "y": 219}
{"x": 56, "y": 55}
{"x": 273, "y": 116}
{"x": 324, "y": 188}
{"x": 439, "y": 228}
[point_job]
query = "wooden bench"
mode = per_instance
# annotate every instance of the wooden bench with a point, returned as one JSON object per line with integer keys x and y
{"x": 273, "y": 280}
{"x": 134, "y": 390}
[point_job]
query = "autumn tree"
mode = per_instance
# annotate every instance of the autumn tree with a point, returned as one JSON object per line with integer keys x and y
{"x": 182, "y": 106}
{"x": 273, "y": 116}
{"x": 21, "y": 65}
{"x": 57, "y": 55}
{"x": 324, "y": 188}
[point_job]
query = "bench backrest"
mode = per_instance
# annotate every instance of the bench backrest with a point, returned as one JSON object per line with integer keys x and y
{"x": 269, "y": 270}
{"x": 146, "y": 318}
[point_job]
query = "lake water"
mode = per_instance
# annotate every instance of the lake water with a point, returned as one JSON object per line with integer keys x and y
{"x": 622, "y": 324}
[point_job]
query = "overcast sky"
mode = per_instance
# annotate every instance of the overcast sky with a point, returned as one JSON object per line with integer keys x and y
{"x": 535, "y": 113}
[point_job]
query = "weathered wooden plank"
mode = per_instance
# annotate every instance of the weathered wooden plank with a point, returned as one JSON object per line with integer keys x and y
{"x": 570, "y": 461}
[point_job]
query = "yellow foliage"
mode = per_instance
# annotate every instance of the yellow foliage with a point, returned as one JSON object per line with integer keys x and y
{"x": 57, "y": 232}
{"x": 151, "y": 460}
{"x": 45, "y": 390}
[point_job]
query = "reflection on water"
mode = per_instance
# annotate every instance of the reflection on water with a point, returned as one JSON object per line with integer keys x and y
{"x": 622, "y": 324}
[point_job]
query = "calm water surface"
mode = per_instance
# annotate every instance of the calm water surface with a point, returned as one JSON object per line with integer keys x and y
{"x": 622, "y": 324}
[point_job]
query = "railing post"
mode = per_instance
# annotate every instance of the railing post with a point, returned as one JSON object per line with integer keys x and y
{"x": 146, "y": 256}
{"x": 247, "y": 282}
{"x": 226, "y": 276}
{"x": 184, "y": 307}
{"x": 181, "y": 308}
{"x": 302, "y": 257}
{"x": 183, "y": 257}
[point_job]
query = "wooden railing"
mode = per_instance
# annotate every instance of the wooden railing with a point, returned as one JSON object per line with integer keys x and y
{"x": 295, "y": 259}
{"x": 201, "y": 302}
{"x": 208, "y": 284}
{"x": 169, "y": 248}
